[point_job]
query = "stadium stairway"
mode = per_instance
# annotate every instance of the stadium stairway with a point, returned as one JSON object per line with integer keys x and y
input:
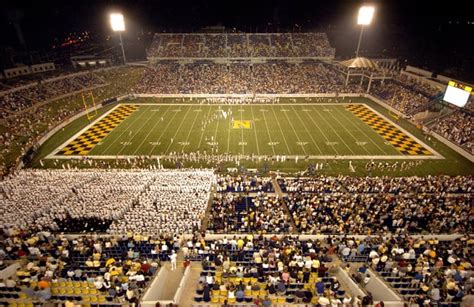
{"x": 166, "y": 282}
{"x": 279, "y": 192}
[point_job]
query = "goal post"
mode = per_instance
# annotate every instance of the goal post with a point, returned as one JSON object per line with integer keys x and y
{"x": 395, "y": 116}
{"x": 92, "y": 113}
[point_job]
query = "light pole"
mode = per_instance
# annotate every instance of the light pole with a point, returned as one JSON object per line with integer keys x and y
{"x": 366, "y": 13}
{"x": 118, "y": 25}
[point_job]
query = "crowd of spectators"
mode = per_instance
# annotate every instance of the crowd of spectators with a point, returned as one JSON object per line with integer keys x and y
{"x": 146, "y": 211}
{"x": 340, "y": 213}
{"x": 276, "y": 77}
{"x": 336, "y": 205}
{"x": 400, "y": 96}
{"x": 139, "y": 201}
{"x": 427, "y": 272}
{"x": 18, "y": 99}
{"x": 345, "y": 205}
{"x": 240, "y": 45}
{"x": 268, "y": 271}
{"x": 233, "y": 213}
{"x": 243, "y": 183}
{"x": 458, "y": 128}
{"x": 83, "y": 269}
{"x": 20, "y": 132}
{"x": 272, "y": 78}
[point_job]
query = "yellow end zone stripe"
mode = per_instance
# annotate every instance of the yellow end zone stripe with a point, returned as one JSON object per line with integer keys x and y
{"x": 402, "y": 142}
{"x": 84, "y": 143}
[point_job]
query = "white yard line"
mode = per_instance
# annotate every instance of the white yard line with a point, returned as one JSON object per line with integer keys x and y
{"x": 54, "y": 152}
{"x": 177, "y": 130}
{"x": 334, "y": 130}
{"x": 163, "y": 131}
{"x": 294, "y": 131}
{"x": 203, "y": 130}
{"x": 135, "y": 134}
{"x": 350, "y": 121}
{"x": 348, "y": 131}
{"x": 284, "y": 138}
{"x": 255, "y": 129}
{"x": 306, "y": 129}
{"x": 149, "y": 132}
{"x": 120, "y": 135}
{"x": 192, "y": 126}
{"x": 268, "y": 132}
{"x": 320, "y": 130}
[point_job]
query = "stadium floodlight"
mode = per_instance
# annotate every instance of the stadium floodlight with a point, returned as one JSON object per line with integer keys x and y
{"x": 118, "y": 25}
{"x": 366, "y": 13}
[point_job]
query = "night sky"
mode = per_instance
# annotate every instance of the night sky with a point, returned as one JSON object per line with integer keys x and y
{"x": 431, "y": 34}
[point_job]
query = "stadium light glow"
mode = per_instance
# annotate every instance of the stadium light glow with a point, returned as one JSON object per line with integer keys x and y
{"x": 118, "y": 25}
{"x": 116, "y": 22}
{"x": 366, "y": 13}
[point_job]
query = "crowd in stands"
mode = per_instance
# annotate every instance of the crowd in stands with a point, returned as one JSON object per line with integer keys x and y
{"x": 458, "y": 128}
{"x": 146, "y": 211}
{"x": 426, "y": 272}
{"x": 240, "y": 45}
{"x": 278, "y": 77}
{"x": 15, "y": 100}
{"x": 139, "y": 201}
{"x": 351, "y": 205}
{"x": 339, "y": 213}
{"x": 399, "y": 96}
{"x": 234, "y": 213}
{"x": 267, "y": 271}
{"x": 336, "y": 205}
{"x": 241, "y": 183}
{"x": 20, "y": 132}
{"x": 81, "y": 270}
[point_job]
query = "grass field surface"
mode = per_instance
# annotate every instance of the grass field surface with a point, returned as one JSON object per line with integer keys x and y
{"x": 452, "y": 162}
{"x": 306, "y": 130}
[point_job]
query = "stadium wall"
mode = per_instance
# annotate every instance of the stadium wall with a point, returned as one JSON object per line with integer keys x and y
{"x": 451, "y": 145}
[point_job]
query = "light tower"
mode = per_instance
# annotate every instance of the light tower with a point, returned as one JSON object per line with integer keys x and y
{"x": 366, "y": 13}
{"x": 118, "y": 25}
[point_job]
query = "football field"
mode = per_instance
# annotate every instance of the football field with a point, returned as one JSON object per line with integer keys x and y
{"x": 314, "y": 131}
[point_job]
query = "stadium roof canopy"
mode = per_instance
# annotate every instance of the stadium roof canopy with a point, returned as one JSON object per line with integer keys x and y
{"x": 359, "y": 62}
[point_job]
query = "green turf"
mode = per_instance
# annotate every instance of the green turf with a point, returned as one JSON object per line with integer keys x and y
{"x": 303, "y": 130}
{"x": 323, "y": 129}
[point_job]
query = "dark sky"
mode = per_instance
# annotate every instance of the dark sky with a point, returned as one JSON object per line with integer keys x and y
{"x": 419, "y": 31}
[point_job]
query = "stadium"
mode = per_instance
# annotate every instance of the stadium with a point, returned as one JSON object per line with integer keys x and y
{"x": 232, "y": 168}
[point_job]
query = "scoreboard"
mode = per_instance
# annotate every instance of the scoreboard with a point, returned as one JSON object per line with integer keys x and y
{"x": 457, "y": 94}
